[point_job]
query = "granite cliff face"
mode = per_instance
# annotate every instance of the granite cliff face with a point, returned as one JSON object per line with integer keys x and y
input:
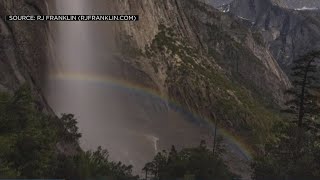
{"x": 210, "y": 31}
{"x": 298, "y": 4}
{"x": 290, "y": 4}
{"x": 212, "y": 34}
{"x": 23, "y": 48}
{"x": 288, "y": 33}
{"x": 222, "y": 43}
{"x": 207, "y": 61}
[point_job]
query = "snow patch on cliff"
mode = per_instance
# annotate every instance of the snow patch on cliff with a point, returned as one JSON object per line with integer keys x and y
{"x": 304, "y": 8}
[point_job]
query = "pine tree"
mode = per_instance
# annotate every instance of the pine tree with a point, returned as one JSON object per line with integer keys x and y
{"x": 215, "y": 135}
{"x": 304, "y": 102}
{"x": 148, "y": 168}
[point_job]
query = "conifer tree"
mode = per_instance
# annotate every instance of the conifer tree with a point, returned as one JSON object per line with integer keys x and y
{"x": 304, "y": 102}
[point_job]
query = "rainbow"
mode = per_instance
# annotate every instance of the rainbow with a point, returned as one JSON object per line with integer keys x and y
{"x": 126, "y": 85}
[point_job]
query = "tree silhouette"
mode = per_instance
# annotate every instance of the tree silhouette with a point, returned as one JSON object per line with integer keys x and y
{"x": 294, "y": 153}
{"x": 304, "y": 98}
{"x": 188, "y": 163}
{"x": 148, "y": 168}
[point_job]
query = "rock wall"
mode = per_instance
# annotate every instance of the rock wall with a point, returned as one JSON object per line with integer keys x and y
{"x": 23, "y": 48}
{"x": 196, "y": 22}
{"x": 216, "y": 37}
{"x": 152, "y": 13}
{"x": 288, "y": 33}
{"x": 207, "y": 62}
{"x": 203, "y": 59}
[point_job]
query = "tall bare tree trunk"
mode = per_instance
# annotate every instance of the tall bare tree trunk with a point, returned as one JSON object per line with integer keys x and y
{"x": 215, "y": 135}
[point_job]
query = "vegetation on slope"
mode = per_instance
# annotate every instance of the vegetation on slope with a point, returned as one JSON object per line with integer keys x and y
{"x": 242, "y": 66}
{"x": 196, "y": 82}
{"x": 29, "y": 139}
{"x": 192, "y": 163}
{"x": 279, "y": 161}
{"x": 295, "y": 153}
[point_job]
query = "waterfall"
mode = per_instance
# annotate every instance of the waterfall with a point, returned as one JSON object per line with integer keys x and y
{"x": 82, "y": 50}
{"x": 133, "y": 127}
{"x": 78, "y": 52}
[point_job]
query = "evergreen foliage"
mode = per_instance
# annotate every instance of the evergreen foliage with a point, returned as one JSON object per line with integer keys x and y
{"x": 29, "y": 139}
{"x": 192, "y": 163}
{"x": 294, "y": 153}
{"x": 304, "y": 102}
